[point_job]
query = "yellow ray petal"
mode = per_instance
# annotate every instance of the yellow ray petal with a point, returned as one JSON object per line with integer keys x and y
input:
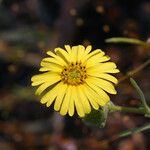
{"x": 58, "y": 58}
{"x": 81, "y": 50}
{"x": 40, "y": 78}
{"x": 79, "y": 109}
{"x": 84, "y": 100}
{"x": 71, "y": 104}
{"x": 36, "y": 83}
{"x": 42, "y": 87}
{"x": 78, "y": 104}
{"x": 75, "y": 53}
{"x": 63, "y": 54}
{"x": 52, "y": 67}
{"x": 103, "y": 97}
{"x": 96, "y": 96}
{"x": 48, "y": 76}
{"x": 43, "y": 69}
{"x": 102, "y": 67}
{"x": 50, "y": 53}
{"x": 96, "y": 59}
{"x": 90, "y": 97}
{"x": 68, "y": 48}
{"x": 96, "y": 52}
{"x": 45, "y": 85}
{"x": 60, "y": 96}
{"x": 65, "y": 104}
{"x": 105, "y": 76}
{"x": 112, "y": 71}
{"x": 50, "y": 96}
{"x": 90, "y": 55}
{"x": 104, "y": 58}
{"x": 54, "y": 61}
{"x": 105, "y": 85}
{"x": 88, "y": 49}
{"x": 71, "y": 54}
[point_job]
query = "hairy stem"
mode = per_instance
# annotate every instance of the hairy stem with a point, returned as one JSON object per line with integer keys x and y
{"x": 141, "y": 111}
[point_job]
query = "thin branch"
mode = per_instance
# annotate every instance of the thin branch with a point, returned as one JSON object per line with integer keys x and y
{"x": 135, "y": 71}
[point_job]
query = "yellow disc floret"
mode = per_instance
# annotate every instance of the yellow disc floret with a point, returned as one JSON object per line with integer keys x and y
{"x": 74, "y": 74}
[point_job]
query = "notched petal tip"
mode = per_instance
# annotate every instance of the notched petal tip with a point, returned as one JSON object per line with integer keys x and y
{"x": 52, "y": 54}
{"x": 33, "y": 84}
{"x": 35, "y": 77}
{"x": 116, "y": 82}
{"x": 56, "y": 108}
{"x": 71, "y": 114}
{"x": 81, "y": 46}
{"x": 48, "y": 104}
{"x": 117, "y": 70}
{"x": 87, "y": 112}
{"x": 36, "y": 93}
{"x": 62, "y": 113}
{"x": 88, "y": 48}
{"x": 96, "y": 107}
{"x": 56, "y": 49}
{"x": 67, "y": 46}
{"x": 39, "y": 91}
{"x": 42, "y": 101}
{"x": 48, "y": 52}
{"x": 32, "y": 78}
{"x": 107, "y": 57}
{"x": 81, "y": 115}
{"x": 114, "y": 92}
{"x": 43, "y": 69}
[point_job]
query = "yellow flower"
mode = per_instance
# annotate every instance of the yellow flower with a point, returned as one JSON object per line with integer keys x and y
{"x": 75, "y": 79}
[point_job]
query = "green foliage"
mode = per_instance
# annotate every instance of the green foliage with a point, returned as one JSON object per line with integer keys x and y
{"x": 134, "y": 130}
{"x": 128, "y": 41}
{"x": 97, "y": 117}
{"x": 142, "y": 97}
{"x": 143, "y": 108}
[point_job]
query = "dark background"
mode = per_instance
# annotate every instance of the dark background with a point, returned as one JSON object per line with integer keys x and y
{"x": 28, "y": 28}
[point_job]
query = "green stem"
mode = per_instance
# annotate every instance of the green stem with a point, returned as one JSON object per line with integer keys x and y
{"x": 114, "y": 108}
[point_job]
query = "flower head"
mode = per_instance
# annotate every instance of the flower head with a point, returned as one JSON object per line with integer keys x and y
{"x": 76, "y": 79}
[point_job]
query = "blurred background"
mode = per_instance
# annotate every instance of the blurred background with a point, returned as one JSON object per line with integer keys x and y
{"x": 28, "y": 28}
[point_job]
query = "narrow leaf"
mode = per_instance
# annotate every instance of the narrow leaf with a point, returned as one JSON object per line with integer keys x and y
{"x": 127, "y": 40}
{"x": 141, "y": 94}
{"x": 134, "y": 130}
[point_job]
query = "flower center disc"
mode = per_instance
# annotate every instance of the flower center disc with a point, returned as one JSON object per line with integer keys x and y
{"x": 74, "y": 74}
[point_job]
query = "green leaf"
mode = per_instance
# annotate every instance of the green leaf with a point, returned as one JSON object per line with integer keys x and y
{"x": 128, "y": 41}
{"x": 97, "y": 117}
{"x": 141, "y": 94}
{"x": 134, "y": 130}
